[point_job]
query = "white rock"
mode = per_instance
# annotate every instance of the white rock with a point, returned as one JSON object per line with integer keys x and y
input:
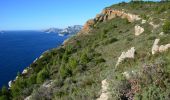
{"x": 138, "y": 30}
{"x": 25, "y": 71}
{"x": 105, "y": 94}
{"x": 10, "y": 84}
{"x": 143, "y": 21}
{"x": 129, "y": 54}
{"x": 163, "y": 48}
{"x": 156, "y": 48}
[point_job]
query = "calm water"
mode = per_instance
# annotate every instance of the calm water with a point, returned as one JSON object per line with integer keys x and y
{"x": 19, "y": 49}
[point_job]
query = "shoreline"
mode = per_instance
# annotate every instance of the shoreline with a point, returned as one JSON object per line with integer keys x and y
{"x": 26, "y": 70}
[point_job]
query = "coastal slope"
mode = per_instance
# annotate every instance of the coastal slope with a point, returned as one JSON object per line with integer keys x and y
{"x": 121, "y": 54}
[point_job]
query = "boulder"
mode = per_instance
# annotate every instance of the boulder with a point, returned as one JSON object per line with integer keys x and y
{"x": 155, "y": 47}
{"x": 104, "y": 92}
{"x": 138, "y": 30}
{"x": 162, "y": 48}
{"x": 129, "y": 54}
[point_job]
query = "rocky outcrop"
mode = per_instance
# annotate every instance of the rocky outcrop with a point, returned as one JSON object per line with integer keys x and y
{"x": 129, "y": 54}
{"x": 105, "y": 94}
{"x": 108, "y": 14}
{"x": 138, "y": 30}
{"x": 156, "y": 48}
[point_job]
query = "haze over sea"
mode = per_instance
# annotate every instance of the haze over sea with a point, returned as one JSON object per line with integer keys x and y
{"x": 18, "y": 49}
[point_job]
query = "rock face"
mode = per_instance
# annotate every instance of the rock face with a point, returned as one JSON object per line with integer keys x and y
{"x": 105, "y": 94}
{"x": 108, "y": 14}
{"x": 156, "y": 48}
{"x": 138, "y": 30}
{"x": 129, "y": 54}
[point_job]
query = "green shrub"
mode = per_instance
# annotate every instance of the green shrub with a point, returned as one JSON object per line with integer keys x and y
{"x": 42, "y": 76}
{"x": 109, "y": 41}
{"x": 166, "y": 27}
{"x": 4, "y": 97}
{"x": 65, "y": 71}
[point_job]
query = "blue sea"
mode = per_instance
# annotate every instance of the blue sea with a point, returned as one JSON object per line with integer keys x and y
{"x": 18, "y": 49}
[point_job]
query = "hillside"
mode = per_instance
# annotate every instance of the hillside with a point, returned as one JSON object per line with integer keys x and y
{"x": 121, "y": 54}
{"x": 69, "y": 30}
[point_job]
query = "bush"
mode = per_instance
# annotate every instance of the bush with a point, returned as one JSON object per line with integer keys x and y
{"x": 42, "y": 75}
{"x": 65, "y": 71}
{"x": 4, "y": 97}
{"x": 166, "y": 27}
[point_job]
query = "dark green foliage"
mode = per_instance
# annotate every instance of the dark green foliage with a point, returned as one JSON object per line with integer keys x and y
{"x": 4, "y": 93}
{"x": 110, "y": 40}
{"x": 41, "y": 76}
{"x": 166, "y": 27}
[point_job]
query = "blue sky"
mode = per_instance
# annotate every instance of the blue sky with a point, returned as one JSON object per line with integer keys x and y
{"x": 42, "y": 14}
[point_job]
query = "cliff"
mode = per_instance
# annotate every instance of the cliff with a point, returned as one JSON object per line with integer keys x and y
{"x": 108, "y": 14}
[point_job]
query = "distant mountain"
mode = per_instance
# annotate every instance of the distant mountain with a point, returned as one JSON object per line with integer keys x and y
{"x": 69, "y": 30}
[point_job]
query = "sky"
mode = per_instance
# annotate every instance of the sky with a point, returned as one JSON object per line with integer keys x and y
{"x": 43, "y": 14}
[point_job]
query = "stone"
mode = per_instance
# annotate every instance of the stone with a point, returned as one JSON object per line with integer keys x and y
{"x": 162, "y": 48}
{"x": 129, "y": 54}
{"x": 10, "y": 83}
{"x": 105, "y": 94}
{"x": 155, "y": 47}
{"x": 25, "y": 71}
{"x": 138, "y": 30}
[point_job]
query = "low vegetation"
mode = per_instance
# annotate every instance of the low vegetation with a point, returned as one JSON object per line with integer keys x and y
{"x": 75, "y": 71}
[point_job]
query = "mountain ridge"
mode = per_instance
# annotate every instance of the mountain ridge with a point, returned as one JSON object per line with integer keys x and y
{"x": 69, "y": 30}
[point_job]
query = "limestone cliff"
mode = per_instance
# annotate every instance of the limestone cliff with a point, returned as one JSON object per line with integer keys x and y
{"x": 108, "y": 14}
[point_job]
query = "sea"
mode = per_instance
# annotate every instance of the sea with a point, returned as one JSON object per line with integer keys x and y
{"x": 18, "y": 49}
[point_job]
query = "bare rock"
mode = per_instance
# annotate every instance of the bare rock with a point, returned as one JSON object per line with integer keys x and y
{"x": 108, "y": 14}
{"x": 10, "y": 83}
{"x": 129, "y": 54}
{"x": 105, "y": 94}
{"x": 155, "y": 47}
{"x": 138, "y": 30}
{"x": 162, "y": 48}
